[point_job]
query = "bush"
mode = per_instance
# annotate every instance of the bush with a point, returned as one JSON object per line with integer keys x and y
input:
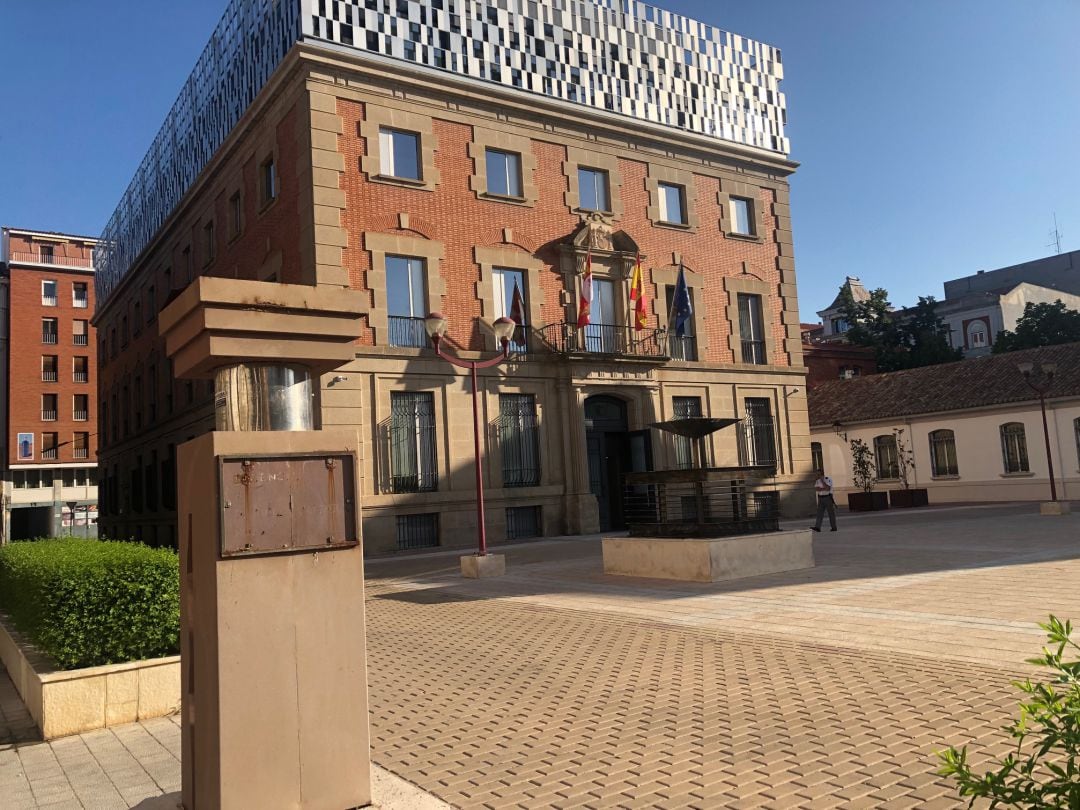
{"x": 1043, "y": 769}
{"x": 87, "y": 602}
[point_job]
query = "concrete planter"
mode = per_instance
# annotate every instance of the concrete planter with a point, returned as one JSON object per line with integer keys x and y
{"x": 867, "y": 501}
{"x": 908, "y": 498}
{"x": 65, "y": 702}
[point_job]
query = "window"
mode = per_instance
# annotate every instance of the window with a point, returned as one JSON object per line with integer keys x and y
{"x": 80, "y": 295}
{"x": 49, "y": 371}
{"x": 209, "y": 243}
{"x": 817, "y": 459}
{"x": 80, "y": 407}
{"x": 742, "y": 216}
{"x": 268, "y": 181}
{"x": 504, "y": 282}
{"x": 80, "y": 369}
{"x": 603, "y": 334}
{"x": 189, "y": 271}
{"x": 680, "y": 347}
{"x": 399, "y": 154}
{"x": 839, "y": 326}
{"x": 48, "y": 407}
{"x": 943, "y": 454}
{"x": 136, "y": 318}
{"x": 503, "y": 173}
{"x": 48, "y": 330}
{"x": 417, "y": 531}
{"x": 976, "y": 335}
{"x": 847, "y": 372}
{"x": 413, "y": 457}
{"x": 751, "y": 329}
{"x": 80, "y": 333}
{"x": 405, "y": 298}
{"x": 888, "y": 462}
{"x": 125, "y": 334}
{"x": 1014, "y": 448}
{"x": 46, "y": 254}
{"x": 49, "y": 446}
{"x": 672, "y": 203}
{"x": 151, "y": 303}
{"x": 593, "y": 189}
{"x": 759, "y": 433}
{"x": 48, "y": 293}
{"x": 519, "y": 439}
{"x": 235, "y": 211}
{"x": 522, "y": 522}
{"x": 685, "y": 408}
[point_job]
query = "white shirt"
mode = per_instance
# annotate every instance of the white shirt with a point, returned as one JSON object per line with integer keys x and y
{"x": 827, "y": 489}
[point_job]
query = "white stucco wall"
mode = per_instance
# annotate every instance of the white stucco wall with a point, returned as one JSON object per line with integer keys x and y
{"x": 978, "y": 451}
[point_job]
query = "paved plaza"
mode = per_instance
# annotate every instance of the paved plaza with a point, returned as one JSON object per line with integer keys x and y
{"x": 557, "y": 686}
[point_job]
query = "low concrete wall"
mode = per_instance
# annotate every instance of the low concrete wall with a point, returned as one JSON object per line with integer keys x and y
{"x": 711, "y": 559}
{"x": 77, "y": 700}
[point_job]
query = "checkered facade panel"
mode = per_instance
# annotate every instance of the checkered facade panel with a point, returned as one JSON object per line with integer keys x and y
{"x": 620, "y": 56}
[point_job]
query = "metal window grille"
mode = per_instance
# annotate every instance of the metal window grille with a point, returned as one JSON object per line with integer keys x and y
{"x": 888, "y": 464}
{"x": 413, "y": 456}
{"x": 751, "y": 329}
{"x": 943, "y": 453}
{"x": 522, "y": 522}
{"x": 682, "y": 348}
{"x": 685, "y": 408}
{"x": 519, "y": 440}
{"x": 417, "y": 531}
{"x": 1014, "y": 448}
{"x": 408, "y": 332}
{"x": 758, "y": 447}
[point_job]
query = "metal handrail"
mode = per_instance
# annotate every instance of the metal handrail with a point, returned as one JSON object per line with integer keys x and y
{"x": 609, "y": 339}
{"x": 42, "y": 258}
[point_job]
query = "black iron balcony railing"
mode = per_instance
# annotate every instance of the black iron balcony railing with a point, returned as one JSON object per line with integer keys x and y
{"x": 408, "y": 332}
{"x": 608, "y": 339}
{"x": 682, "y": 348}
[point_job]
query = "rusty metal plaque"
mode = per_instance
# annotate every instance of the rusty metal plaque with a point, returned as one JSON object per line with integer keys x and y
{"x": 284, "y": 503}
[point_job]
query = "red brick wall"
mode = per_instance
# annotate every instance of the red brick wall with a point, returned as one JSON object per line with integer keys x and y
{"x": 453, "y": 215}
{"x": 824, "y": 361}
{"x": 26, "y": 386}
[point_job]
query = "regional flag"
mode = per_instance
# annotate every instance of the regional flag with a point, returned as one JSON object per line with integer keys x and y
{"x": 637, "y": 295}
{"x": 517, "y": 306}
{"x": 585, "y": 302}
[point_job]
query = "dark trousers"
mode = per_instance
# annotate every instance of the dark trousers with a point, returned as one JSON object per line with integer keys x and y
{"x": 826, "y": 503}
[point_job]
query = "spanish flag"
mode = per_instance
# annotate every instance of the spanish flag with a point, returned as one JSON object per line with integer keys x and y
{"x": 637, "y": 294}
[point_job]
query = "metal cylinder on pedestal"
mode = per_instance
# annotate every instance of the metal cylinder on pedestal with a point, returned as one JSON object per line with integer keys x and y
{"x": 263, "y": 396}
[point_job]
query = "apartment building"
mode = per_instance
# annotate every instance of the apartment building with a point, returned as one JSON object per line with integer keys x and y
{"x": 50, "y": 470}
{"x": 479, "y": 159}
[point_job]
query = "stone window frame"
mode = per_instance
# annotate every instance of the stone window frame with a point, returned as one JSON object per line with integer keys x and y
{"x": 484, "y": 139}
{"x": 511, "y": 258}
{"x": 746, "y": 191}
{"x": 677, "y": 177}
{"x": 750, "y": 285}
{"x": 668, "y": 275}
{"x": 385, "y": 385}
{"x": 377, "y": 118}
{"x": 589, "y": 159}
{"x": 538, "y": 389}
{"x": 380, "y": 245}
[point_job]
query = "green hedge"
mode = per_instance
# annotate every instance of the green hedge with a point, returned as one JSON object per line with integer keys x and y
{"x": 91, "y": 602}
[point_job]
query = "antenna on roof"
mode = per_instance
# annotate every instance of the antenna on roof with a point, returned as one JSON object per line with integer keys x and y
{"x": 1055, "y": 236}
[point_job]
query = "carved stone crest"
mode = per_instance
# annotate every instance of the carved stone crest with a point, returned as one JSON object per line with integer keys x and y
{"x": 598, "y": 232}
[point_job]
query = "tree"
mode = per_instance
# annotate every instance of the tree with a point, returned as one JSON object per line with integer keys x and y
{"x": 911, "y": 341}
{"x": 1040, "y": 325}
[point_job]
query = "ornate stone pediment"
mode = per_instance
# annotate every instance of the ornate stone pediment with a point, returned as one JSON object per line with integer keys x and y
{"x": 598, "y": 233}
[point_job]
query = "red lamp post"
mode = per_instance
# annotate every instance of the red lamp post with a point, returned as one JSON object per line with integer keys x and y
{"x": 435, "y": 324}
{"x": 1048, "y": 370}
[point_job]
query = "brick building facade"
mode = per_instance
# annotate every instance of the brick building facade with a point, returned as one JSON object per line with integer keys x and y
{"x": 434, "y": 193}
{"x": 50, "y": 470}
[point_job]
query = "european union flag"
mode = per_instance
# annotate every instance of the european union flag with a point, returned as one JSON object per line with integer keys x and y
{"x": 681, "y": 308}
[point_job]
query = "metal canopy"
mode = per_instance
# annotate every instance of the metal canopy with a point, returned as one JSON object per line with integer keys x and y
{"x": 694, "y": 427}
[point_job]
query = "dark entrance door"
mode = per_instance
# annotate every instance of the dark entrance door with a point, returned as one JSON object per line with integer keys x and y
{"x": 612, "y": 451}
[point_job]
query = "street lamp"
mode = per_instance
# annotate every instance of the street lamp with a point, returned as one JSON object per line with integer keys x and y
{"x": 1048, "y": 370}
{"x": 435, "y": 324}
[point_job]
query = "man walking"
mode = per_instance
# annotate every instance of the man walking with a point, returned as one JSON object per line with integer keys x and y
{"x": 825, "y": 501}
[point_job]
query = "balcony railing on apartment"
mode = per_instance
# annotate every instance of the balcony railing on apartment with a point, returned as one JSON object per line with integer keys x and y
{"x": 78, "y": 340}
{"x": 80, "y": 452}
{"x": 682, "y": 348}
{"x": 606, "y": 339}
{"x": 81, "y": 416}
{"x": 48, "y": 416}
{"x": 48, "y": 376}
{"x": 48, "y": 300}
{"x": 48, "y": 337}
{"x": 80, "y": 302}
{"x": 46, "y": 258}
{"x": 49, "y": 453}
{"x": 408, "y": 332}
{"x": 79, "y": 376}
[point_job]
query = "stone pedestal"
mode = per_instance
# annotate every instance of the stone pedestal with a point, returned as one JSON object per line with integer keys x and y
{"x": 713, "y": 559}
{"x": 1054, "y": 508}
{"x": 490, "y": 565}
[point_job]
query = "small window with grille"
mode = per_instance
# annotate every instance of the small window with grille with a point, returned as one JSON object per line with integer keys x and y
{"x": 417, "y": 531}
{"x": 522, "y": 522}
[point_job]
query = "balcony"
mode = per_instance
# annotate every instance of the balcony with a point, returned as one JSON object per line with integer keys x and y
{"x": 48, "y": 337}
{"x": 23, "y": 257}
{"x": 48, "y": 416}
{"x": 81, "y": 416}
{"x": 48, "y": 300}
{"x": 682, "y": 348}
{"x": 78, "y": 376}
{"x": 80, "y": 452}
{"x": 604, "y": 339}
{"x": 49, "y": 453}
{"x": 77, "y": 340}
{"x": 49, "y": 376}
{"x": 408, "y": 332}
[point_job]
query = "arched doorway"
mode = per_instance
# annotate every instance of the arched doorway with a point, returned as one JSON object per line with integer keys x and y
{"x": 613, "y": 450}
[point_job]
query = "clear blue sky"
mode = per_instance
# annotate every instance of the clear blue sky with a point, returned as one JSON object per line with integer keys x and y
{"x": 936, "y": 138}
